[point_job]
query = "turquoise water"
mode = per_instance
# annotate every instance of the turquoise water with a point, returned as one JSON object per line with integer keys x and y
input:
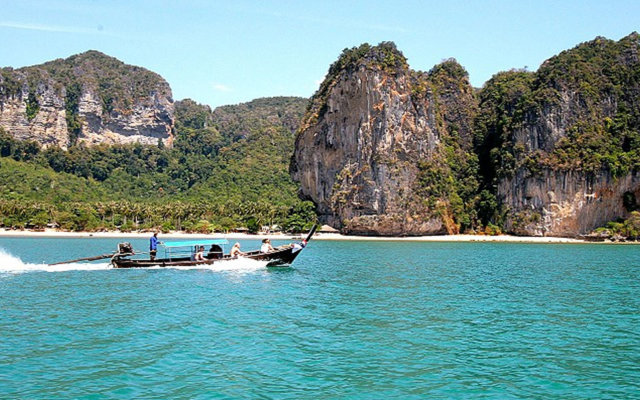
{"x": 350, "y": 320}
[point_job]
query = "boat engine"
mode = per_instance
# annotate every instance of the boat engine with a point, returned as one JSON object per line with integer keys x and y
{"x": 125, "y": 248}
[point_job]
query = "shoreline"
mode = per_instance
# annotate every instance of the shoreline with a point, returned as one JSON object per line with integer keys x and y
{"x": 52, "y": 233}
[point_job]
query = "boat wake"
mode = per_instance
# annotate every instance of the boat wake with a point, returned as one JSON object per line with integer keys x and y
{"x": 12, "y": 264}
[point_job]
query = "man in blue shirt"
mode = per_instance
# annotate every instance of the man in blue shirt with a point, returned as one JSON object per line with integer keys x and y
{"x": 153, "y": 246}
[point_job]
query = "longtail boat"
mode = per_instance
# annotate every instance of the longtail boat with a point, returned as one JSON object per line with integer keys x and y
{"x": 183, "y": 254}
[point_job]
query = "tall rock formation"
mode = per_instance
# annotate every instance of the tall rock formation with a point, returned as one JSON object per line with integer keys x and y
{"x": 87, "y": 98}
{"x": 381, "y": 147}
{"x": 562, "y": 145}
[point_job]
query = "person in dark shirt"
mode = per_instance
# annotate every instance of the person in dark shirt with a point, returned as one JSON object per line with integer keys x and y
{"x": 214, "y": 252}
{"x": 153, "y": 246}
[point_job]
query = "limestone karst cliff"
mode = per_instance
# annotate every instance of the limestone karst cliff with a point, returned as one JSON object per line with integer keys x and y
{"x": 380, "y": 144}
{"x": 563, "y": 144}
{"x": 87, "y": 98}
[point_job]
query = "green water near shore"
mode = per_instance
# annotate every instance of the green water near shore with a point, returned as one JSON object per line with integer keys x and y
{"x": 361, "y": 320}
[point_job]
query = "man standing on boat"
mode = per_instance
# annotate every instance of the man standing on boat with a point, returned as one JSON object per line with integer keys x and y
{"x": 153, "y": 246}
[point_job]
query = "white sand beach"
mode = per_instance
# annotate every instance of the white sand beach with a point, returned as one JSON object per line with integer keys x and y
{"x": 278, "y": 236}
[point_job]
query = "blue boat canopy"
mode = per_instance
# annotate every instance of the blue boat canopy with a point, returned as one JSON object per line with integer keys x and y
{"x": 200, "y": 242}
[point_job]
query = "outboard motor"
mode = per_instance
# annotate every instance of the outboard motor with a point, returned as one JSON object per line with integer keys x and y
{"x": 125, "y": 248}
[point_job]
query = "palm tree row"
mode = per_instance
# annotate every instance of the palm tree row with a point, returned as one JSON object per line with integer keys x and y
{"x": 127, "y": 215}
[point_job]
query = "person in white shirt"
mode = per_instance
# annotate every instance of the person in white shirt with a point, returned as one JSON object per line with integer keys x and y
{"x": 266, "y": 246}
{"x": 200, "y": 254}
{"x": 235, "y": 251}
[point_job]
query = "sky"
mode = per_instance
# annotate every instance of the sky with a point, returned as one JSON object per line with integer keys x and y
{"x": 229, "y": 52}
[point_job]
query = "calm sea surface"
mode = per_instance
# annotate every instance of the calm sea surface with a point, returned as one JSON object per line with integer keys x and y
{"x": 350, "y": 320}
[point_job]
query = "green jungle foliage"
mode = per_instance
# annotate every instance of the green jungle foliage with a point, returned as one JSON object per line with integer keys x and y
{"x": 600, "y": 73}
{"x": 217, "y": 176}
{"x": 594, "y": 86}
{"x": 628, "y": 229}
{"x": 458, "y": 175}
{"x": 449, "y": 179}
{"x": 385, "y": 56}
{"x": 504, "y": 101}
{"x": 32, "y": 105}
{"x": 71, "y": 104}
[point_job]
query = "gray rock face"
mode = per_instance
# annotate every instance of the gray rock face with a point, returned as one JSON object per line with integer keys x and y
{"x": 565, "y": 203}
{"x": 358, "y": 151}
{"x": 562, "y": 202}
{"x": 47, "y": 127}
{"x": 146, "y": 122}
{"x": 358, "y": 162}
{"x": 136, "y": 112}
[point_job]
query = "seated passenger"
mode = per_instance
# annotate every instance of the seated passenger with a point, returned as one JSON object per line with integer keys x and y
{"x": 215, "y": 252}
{"x": 266, "y": 246}
{"x": 235, "y": 251}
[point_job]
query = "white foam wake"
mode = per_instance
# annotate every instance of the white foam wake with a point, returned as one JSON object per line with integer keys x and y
{"x": 11, "y": 263}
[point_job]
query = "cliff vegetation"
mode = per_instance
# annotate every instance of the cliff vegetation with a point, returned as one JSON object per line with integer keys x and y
{"x": 549, "y": 152}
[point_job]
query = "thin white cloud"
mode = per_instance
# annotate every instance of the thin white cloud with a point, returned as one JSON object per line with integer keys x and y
{"x": 99, "y": 30}
{"x": 219, "y": 87}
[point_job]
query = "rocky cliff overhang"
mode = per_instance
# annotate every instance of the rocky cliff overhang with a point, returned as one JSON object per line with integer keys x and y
{"x": 565, "y": 203}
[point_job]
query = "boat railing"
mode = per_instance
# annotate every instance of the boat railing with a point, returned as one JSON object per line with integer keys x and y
{"x": 213, "y": 248}
{"x": 172, "y": 253}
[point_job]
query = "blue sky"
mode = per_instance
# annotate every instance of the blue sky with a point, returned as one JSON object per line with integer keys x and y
{"x": 227, "y": 52}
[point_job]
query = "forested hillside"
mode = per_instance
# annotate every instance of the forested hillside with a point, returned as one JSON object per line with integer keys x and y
{"x": 226, "y": 169}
